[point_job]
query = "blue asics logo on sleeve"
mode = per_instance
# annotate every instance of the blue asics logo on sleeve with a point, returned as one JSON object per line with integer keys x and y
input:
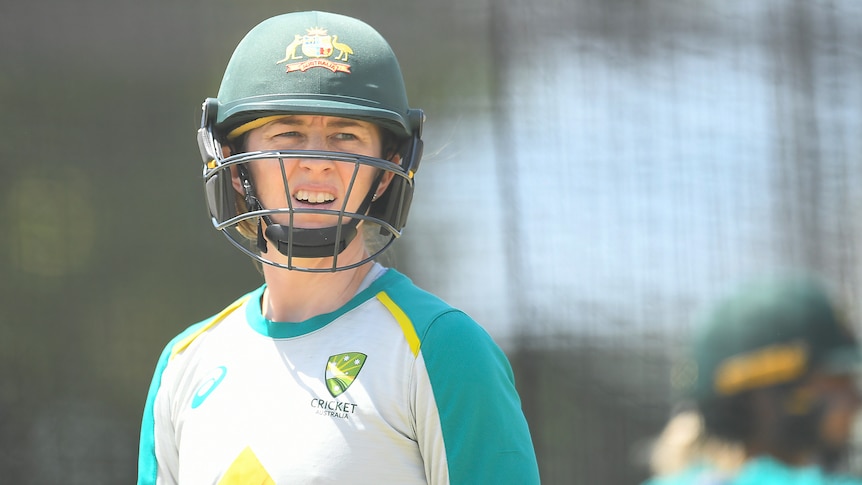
{"x": 209, "y": 385}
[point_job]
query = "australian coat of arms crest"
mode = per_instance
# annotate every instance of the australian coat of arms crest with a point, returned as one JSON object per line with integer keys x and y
{"x": 317, "y": 48}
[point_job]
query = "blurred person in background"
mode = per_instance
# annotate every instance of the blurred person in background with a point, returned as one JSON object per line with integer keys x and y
{"x": 337, "y": 369}
{"x": 772, "y": 394}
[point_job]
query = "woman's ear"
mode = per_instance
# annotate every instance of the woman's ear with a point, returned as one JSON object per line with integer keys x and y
{"x": 237, "y": 183}
{"x": 385, "y": 180}
{"x": 234, "y": 173}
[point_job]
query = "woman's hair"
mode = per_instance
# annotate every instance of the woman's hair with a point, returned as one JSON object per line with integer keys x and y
{"x": 718, "y": 431}
{"x": 730, "y": 418}
{"x": 685, "y": 441}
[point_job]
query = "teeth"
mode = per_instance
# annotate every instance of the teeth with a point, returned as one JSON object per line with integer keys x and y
{"x": 314, "y": 197}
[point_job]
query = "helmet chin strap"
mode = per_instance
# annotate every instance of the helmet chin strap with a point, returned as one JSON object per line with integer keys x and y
{"x": 309, "y": 243}
{"x": 297, "y": 242}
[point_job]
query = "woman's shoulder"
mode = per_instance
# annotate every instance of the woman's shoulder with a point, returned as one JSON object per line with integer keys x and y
{"x": 695, "y": 475}
{"x": 767, "y": 470}
{"x": 759, "y": 471}
{"x": 416, "y": 302}
{"x": 429, "y": 315}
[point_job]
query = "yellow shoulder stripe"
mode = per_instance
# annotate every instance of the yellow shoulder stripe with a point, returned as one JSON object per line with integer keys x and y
{"x": 182, "y": 344}
{"x": 403, "y": 321}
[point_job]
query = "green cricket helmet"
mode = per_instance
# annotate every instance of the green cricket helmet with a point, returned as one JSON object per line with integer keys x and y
{"x": 308, "y": 63}
{"x": 766, "y": 339}
{"x": 771, "y": 332}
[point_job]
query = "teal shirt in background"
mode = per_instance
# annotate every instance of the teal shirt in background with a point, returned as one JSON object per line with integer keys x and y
{"x": 759, "y": 471}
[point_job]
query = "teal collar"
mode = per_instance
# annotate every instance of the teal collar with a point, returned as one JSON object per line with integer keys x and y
{"x": 272, "y": 329}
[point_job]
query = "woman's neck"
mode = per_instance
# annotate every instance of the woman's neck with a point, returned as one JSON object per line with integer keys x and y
{"x": 295, "y": 296}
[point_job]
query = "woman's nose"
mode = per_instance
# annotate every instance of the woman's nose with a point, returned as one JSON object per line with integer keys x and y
{"x": 315, "y": 164}
{"x": 315, "y": 143}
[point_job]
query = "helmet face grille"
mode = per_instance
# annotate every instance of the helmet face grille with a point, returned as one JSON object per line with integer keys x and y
{"x": 255, "y": 227}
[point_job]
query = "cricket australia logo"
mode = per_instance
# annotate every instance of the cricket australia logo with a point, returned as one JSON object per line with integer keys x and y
{"x": 317, "y": 47}
{"x": 341, "y": 371}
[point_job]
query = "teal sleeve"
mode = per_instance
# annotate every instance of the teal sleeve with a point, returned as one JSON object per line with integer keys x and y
{"x": 485, "y": 433}
{"x": 147, "y": 461}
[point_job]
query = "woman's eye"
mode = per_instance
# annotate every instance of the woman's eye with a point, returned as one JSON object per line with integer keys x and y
{"x": 345, "y": 136}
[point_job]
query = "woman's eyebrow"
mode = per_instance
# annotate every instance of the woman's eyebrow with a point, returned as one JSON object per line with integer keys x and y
{"x": 340, "y": 123}
{"x": 344, "y": 123}
{"x": 289, "y": 121}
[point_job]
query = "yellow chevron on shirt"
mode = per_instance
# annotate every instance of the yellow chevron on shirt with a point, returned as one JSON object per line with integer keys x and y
{"x": 246, "y": 470}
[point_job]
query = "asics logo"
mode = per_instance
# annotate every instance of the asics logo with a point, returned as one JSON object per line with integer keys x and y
{"x": 208, "y": 386}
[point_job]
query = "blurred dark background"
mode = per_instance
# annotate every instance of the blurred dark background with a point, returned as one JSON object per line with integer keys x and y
{"x": 596, "y": 172}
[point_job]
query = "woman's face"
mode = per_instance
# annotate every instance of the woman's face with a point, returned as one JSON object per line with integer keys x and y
{"x": 841, "y": 399}
{"x": 303, "y": 183}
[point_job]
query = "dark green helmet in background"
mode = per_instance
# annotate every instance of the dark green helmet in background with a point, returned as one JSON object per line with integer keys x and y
{"x": 757, "y": 359}
{"x": 771, "y": 332}
{"x": 313, "y": 63}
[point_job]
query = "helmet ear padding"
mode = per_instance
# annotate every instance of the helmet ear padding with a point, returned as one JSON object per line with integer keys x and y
{"x": 393, "y": 205}
{"x": 218, "y": 187}
{"x": 221, "y": 197}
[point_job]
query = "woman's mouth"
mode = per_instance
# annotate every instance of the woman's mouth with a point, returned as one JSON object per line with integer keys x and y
{"x": 312, "y": 197}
